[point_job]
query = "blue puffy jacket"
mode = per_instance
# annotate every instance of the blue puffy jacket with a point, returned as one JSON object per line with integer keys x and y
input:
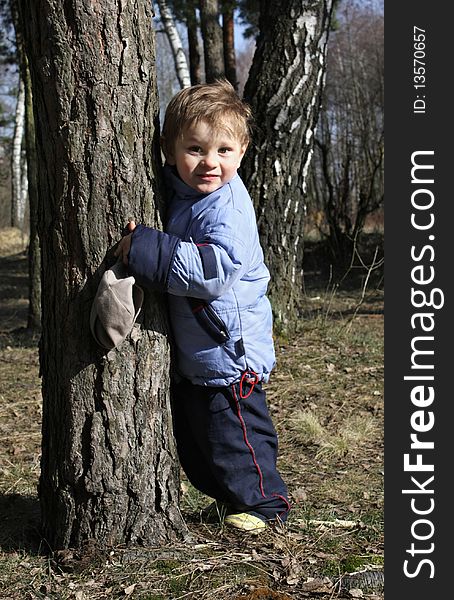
{"x": 210, "y": 262}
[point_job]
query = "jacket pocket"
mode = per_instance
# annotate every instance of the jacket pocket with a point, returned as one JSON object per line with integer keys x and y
{"x": 209, "y": 320}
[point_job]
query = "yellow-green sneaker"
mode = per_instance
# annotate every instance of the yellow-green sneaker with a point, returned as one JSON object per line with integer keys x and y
{"x": 246, "y": 522}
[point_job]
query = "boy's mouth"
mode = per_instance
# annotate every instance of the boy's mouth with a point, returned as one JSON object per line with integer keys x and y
{"x": 207, "y": 177}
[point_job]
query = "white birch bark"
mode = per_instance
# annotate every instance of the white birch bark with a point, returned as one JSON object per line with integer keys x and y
{"x": 17, "y": 207}
{"x": 284, "y": 90}
{"x": 181, "y": 64}
{"x": 23, "y": 193}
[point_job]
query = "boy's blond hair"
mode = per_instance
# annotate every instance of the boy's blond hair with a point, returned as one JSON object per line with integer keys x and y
{"x": 216, "y": 104}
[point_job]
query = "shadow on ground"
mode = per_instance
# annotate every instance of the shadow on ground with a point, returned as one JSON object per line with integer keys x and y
{"x": 21, "y": 521}
{"x": 14, "y": 291}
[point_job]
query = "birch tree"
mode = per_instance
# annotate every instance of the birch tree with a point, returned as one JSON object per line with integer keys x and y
{"x": 18, "y": 181}
{"x": 284, "y": 89}
{"x": 185, "y": 11}
{"x": 179, "y": 56}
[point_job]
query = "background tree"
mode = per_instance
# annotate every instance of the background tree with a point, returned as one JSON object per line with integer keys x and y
{"x": 109, "y": 469}
{"x": 34, "y": 247}
{"x": 193, "y": 42}
{"x": 218, "y": 41}
{"x": 13, "y": 119}
{"x": 347, "y": 175}
{"x": 284, "y": 89}
{"x": 30, "y": 171}
{"x": 179, "y": 56}
{"x": 18, "y": 164}
{"x": 185, "y": 11}
{"x": 228, "y": 38}
{"x": 6, "y": 123}
{"x": 167, "y": 79}
{"x": 213, "y": 48}
{"x": 19, "y": 179}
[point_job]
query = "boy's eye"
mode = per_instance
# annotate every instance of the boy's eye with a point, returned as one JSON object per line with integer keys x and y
{"x": 224, "y": 150}
{"x": 196, "y": 149}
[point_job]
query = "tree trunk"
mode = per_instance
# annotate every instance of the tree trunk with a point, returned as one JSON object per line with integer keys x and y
{"x": 17, "y": 197}
{"x": 193, "y": 43}
{"x": 212, "y": 40}
{"x": 34, "y": 251}
{"x": 176, "y": 45}
{"x": 228, "y": 35}
{"x": 109, "y": 469}
{"x": 284, "y": 89}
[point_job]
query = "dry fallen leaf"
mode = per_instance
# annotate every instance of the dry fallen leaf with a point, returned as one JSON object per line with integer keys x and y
{"x": 320, "y": 585}
{"x": 356, "y": 593}
{"x": 299, "y": 495}
{"x": 294, "y": 569}
{"x": 129, "y": 590}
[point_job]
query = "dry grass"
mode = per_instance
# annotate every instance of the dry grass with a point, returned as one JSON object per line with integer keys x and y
{"x": 353, "y": 431}
{"x": 326, "y": 400}
{"x": 12, "y": 241}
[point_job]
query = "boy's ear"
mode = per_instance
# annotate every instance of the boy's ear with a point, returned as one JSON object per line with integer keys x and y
{"x": 242, "y": 152}
{"x": 167, "y": 151}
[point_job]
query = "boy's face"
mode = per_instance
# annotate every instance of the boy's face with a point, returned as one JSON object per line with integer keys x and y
{"x": 205, "y": 159}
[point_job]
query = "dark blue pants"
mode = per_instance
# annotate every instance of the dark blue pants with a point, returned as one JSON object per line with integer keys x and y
{"x": 227, "y": 446}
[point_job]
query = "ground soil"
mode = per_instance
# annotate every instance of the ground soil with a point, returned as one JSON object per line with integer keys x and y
{"x": 326, "y": 400}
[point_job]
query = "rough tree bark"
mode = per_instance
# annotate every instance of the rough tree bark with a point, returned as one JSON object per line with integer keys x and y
{"x": 176, "y": 45}
{"x": 284, "y": 89}
{"x": 212, "y": 40}
{"x": 109, "y": 469}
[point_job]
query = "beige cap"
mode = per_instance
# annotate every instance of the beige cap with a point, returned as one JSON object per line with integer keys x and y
{"x": 116, "y": 307}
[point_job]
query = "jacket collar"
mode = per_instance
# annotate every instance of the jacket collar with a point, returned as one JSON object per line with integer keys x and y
{"x": 183, "y": 191}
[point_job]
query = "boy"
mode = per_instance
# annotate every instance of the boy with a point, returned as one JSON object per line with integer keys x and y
{"x": 210, "y": 263}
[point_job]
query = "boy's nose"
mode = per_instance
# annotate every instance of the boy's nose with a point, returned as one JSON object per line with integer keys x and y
{"x": 209, "y": 161}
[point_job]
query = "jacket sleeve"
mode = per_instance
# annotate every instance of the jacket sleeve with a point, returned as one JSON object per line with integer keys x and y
{"x": 204, "y": 268}
{"x": 151, "y": 256}
{"x": 207, "y": 267}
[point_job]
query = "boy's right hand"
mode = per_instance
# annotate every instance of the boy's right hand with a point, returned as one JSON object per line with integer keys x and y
{"x": 124, "y": 245}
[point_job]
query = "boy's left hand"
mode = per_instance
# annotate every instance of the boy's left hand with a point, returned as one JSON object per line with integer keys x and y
{"x": 124, "y": 245}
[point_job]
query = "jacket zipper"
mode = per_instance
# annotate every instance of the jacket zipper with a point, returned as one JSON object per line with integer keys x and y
{"x": 217, "y": 321}
{"x": 209, "y": 320}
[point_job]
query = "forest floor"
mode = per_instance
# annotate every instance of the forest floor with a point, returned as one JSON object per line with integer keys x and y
{"x": 326, "y": 400}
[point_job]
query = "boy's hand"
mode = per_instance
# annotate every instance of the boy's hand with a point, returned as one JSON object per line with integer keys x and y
{"x": 124, "y": 245}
